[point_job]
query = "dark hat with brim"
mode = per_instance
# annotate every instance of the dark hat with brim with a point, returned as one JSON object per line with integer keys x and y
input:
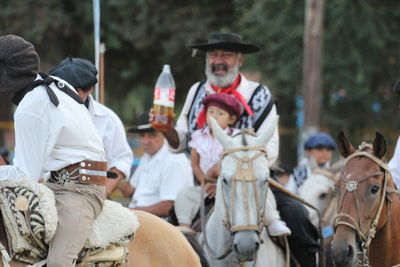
{"x": 143, "y": 125}
{"x": 226, "y": 41}
{"x": 19, "y": 63}
{"x": 78, "y": 72}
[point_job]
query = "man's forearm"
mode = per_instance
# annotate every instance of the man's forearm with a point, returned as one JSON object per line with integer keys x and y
{"x": 172, "y": 137}
{"x": 160, "y": 209}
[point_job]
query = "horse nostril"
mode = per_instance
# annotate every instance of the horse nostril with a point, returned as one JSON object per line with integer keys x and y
{"x": 257, "y": 245}
{"x": 235, "y": 247}
{"x": 350, "y": 252}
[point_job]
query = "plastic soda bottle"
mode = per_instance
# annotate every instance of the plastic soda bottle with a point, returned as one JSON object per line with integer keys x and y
{"x": 164, "y": 100}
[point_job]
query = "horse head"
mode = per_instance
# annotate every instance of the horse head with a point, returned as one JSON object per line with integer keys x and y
{"x": 362, "y": 189}
{"x": 319, "y": 191}
{"x": 242, "y": 186}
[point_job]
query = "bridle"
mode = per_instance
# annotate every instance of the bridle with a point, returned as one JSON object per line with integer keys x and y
{"x": 351, "y": 187}
{"x": 244, "y": 174}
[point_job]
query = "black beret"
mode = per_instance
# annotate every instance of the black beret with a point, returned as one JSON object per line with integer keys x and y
{"x": 19, "y": 63}
{"x": 78, "y": 72}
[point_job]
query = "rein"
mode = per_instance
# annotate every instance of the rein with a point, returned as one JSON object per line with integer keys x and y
{"x": 351, "y": 187}
{"x": 243, "y": 174}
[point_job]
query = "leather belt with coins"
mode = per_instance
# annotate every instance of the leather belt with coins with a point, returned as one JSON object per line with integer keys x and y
{"x": 86, "y": 172}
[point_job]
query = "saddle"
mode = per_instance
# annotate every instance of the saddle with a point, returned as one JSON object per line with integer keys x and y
{"x": 30, "y": 219}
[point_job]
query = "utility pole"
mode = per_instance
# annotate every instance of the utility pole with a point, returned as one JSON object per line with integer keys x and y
{"x": 312, "y": 71}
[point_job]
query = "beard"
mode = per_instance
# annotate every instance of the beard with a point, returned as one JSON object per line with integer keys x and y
{"x": 221, "y": 80}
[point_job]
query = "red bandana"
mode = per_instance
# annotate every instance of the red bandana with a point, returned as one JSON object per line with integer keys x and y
{"x": 201, "y": 119}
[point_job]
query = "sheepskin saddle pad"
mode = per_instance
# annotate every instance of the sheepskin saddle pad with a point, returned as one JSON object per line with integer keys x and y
{"x": 30, "y": 217}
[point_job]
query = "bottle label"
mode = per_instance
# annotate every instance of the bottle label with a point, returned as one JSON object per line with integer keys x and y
{"x": 164, "y": 97}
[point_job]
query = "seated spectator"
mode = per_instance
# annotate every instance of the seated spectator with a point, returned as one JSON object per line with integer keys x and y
{"x": 160, "y": 174}
{"x": 319, "y": 148}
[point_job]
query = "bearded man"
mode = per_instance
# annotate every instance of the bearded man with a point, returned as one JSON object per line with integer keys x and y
{"x": 224, "y": 57}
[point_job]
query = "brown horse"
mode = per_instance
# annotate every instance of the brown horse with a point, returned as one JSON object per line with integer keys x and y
{"x": 156, "y": 244}
{"x": 367, "y": 225}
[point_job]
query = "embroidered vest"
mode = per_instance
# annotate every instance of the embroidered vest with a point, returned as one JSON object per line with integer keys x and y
{"x": 261, "y": 102}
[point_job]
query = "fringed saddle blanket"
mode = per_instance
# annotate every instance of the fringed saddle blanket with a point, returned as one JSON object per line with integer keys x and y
{"x": 30, "y": 217}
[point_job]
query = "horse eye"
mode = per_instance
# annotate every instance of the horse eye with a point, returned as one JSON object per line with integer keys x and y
{"x": 323, "y": 196}
{"x": 375, "y": 189}
{"x": 225, "y": 181}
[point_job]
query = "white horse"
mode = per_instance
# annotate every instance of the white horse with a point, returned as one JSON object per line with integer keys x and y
{"x": 318, "y": 190}
{"x": 235, "y": 234}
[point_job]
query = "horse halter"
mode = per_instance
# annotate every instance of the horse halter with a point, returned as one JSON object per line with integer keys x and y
{"x": 351, "y": 187}
{"x": 244, "y": 174}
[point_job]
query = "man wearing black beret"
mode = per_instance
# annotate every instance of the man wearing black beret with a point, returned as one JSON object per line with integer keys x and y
{"x": 54, "y": 133}
{"x": 81, "y": 74}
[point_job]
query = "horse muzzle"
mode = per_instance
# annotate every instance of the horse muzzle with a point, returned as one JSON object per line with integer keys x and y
{"x": 246, "y": 244}
{"x": 344, "y": 253}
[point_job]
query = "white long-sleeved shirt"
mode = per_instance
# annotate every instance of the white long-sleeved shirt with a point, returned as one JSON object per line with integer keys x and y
{"x": 118, "y": 152}
{"x": 49, "y": 138}
{"x": 394, "y": 164}
{"x": 246, "y": 88}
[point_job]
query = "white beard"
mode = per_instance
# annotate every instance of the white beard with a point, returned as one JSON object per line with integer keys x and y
{"x": 225, "y": 80}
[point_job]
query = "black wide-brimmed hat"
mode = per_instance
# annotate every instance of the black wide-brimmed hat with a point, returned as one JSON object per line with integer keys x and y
{"x": 142, "y": 125}
{"x": 78, "y": 72}
{"x": 19, "y": 63}
{"x": 226, "y": 41}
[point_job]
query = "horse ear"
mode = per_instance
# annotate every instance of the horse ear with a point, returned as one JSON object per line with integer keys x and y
{"x": 220, "y": 134}
{"x": 379, "y": 146}
{"x": 269, "y": 131}
{"x": 344, "y": 146}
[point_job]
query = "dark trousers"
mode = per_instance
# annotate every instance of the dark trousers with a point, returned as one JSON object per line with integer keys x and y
{"x": 303, "y": 241}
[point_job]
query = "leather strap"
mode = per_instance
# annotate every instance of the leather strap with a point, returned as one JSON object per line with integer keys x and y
{"x": 89, "y": 172}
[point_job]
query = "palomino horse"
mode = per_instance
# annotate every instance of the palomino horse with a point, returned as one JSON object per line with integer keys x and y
{"x": 235, "y": 234}
{"x": 367, "y": 226}
{"x": 156, "y": 244}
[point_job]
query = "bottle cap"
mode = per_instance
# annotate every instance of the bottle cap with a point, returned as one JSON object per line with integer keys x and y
{"x": 166, "y": 68}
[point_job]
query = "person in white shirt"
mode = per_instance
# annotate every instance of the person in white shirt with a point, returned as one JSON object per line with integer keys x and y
{"x": 224, "y": 57}
{"x": 54, "y": 133}
{"x": 81, "y": 74}
{"x": 160, "y": 175}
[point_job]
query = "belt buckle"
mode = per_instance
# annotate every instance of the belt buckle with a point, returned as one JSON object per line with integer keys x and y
{"x": 61, "y": 177}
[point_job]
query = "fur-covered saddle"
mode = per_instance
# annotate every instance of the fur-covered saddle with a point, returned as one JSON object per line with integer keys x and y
{"x": 30, "y": 217}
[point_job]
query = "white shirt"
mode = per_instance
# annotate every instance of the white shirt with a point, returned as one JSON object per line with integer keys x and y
{"x": 246, "y": 88}
{"x": 394, "y": 164}
{"x": 160, "y": 177}
{"x": 49, "y": 138}
{"x": 118, "y": 152}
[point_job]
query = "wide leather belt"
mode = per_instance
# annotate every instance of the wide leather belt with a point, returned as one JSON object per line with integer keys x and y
{"x": 86, "y": 172}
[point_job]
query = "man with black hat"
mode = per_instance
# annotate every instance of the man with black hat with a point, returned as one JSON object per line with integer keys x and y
{"x": 224, "y": 57}
{"x": 160, "y": 174}
{"x": 81, "y": 74}
{"x": 54, "y": 133}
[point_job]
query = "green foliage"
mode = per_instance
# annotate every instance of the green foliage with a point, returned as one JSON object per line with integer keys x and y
{"x": 361, "y": 49}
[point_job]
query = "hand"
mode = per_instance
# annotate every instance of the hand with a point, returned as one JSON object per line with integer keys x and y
{"x": 213, "y": 172}
{"x": 164, "y": 128}
{"x": 210, "y": 189}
